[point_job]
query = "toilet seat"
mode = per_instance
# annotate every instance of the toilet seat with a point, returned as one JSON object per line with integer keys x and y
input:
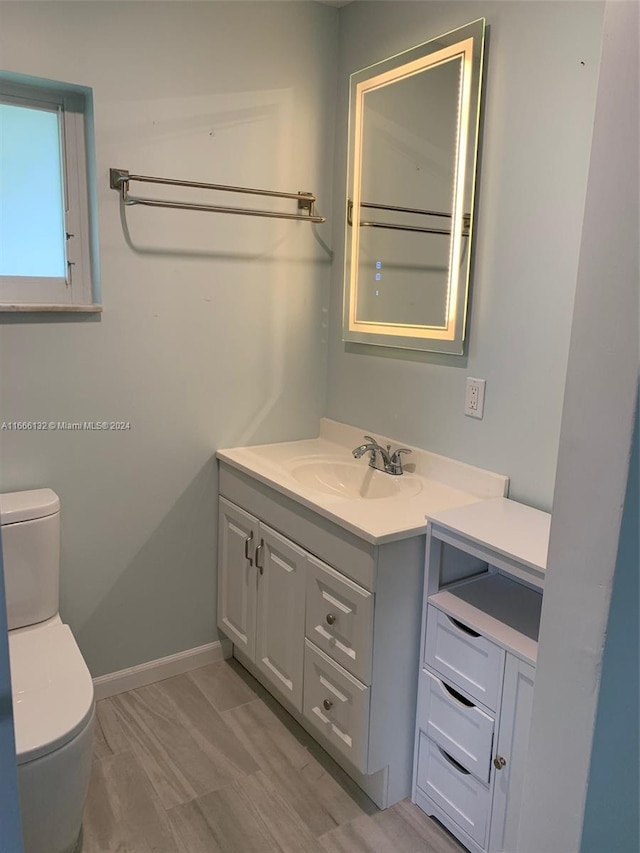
{"x": 52, "y": 689}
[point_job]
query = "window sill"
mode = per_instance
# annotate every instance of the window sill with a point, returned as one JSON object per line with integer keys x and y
{"x": 15, "y": 307}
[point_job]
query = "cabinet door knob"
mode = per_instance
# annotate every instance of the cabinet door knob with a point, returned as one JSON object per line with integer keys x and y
{"x": 327, "y": 704}
{"x": 499, "y": 762}
{"x": 330, "y": 618}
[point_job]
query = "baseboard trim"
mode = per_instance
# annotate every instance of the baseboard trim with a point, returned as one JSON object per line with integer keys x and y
{"x": 157, "y": 670}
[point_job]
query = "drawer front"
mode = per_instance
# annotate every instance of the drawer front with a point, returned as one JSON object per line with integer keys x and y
{"x": 339, "y": 618}
{"x": 459, "y": 794}
{"x": 464, "y": 658}
{"x": 464, "y": 731}
{"x": 337, "y": 705}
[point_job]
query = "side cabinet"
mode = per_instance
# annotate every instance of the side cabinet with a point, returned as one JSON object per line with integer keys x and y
{"x": 481, "y": 618}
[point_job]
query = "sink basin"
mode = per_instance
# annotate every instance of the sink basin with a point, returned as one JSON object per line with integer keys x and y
{"x": 352, "y": 479}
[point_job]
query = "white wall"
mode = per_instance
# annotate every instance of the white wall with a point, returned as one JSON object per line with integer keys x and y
{"x": 214, "y": 327}
{"x": 542, "y": 71}
{"x": 593, "y": 467}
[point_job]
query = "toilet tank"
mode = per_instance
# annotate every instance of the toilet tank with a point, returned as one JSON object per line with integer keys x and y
{"x": 31, "y": 555}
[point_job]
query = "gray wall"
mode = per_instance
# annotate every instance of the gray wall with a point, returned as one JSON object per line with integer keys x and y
{"x": 542, "y": 71}
{"x": 214, "y": 327}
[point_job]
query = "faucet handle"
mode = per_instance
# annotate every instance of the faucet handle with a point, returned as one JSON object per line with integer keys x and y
{"x": 396, "y": 461}
{"x": 396, "y": 455}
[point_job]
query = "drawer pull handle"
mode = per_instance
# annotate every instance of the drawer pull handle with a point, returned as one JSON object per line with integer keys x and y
{"x": 455, "y": 763}
{"x": 462, "y": 627}
{"x": 246, "y": 548}
{"x": 458, "y": 696}
{"x": 499, "y": 762}
{"x": 327, "y": 704}
{"x": 330, "y": 618}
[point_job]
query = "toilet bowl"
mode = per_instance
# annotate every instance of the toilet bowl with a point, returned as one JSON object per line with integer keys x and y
{"x": 52, "y": 689}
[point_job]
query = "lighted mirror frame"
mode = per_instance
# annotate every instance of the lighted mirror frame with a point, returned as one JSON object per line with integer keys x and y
{"x": 465, "y": 44}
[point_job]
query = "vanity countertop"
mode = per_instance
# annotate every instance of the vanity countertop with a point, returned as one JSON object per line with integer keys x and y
{"x": 430, "y": 483}
{"x": 508, "y": 528}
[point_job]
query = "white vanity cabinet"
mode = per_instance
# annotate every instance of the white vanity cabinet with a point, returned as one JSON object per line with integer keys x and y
{"x": 482, "y": 601}
{"x": 329, "y": 623}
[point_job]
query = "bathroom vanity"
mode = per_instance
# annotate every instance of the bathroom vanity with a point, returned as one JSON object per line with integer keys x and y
{"x": 320, "y": 577}
{"x": 482, "y": 600}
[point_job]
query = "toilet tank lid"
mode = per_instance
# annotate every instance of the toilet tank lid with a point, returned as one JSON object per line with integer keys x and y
{"x": 27, "y": 506}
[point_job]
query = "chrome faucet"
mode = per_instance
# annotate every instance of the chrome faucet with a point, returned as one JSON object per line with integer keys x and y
{"x": 392, "y": 463}
{"x": 373, "y": 448}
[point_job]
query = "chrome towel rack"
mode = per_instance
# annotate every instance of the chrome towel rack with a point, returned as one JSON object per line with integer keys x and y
{"x": 466, "y": 218}
{"x": 119, "y": 180}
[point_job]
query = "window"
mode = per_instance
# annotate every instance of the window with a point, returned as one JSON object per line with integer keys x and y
{"x": 48, "y": 249}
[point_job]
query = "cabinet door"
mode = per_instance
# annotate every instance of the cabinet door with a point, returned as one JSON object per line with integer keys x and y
{"x": 281, "y": 567}
{"x": 513, "y": 741}
{"x": 237, "y": 576}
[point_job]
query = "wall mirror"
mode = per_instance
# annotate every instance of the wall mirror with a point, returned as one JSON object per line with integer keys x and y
{"x": 413, "y": 139}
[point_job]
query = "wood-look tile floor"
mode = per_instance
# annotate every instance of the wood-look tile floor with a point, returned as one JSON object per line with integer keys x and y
{"x": 208, "y": 762}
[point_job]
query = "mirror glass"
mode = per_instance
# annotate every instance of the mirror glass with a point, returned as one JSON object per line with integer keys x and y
{"x": 413, "y": 137}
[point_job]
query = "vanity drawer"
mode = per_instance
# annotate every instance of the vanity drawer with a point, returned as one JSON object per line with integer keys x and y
{"x": 459, "y": 794}
{"x": 465, "y": 658}
{"x": 339, "y": 618}
{"x": 337, "y": 705}
{"x": 463, "y": 730}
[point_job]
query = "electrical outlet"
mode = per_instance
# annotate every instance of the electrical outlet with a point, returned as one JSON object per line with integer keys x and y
{"x": 474, "y": 397}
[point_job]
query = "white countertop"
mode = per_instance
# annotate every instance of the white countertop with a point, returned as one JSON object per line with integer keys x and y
{"x": 443, "y": 483}
{"x": 509, "y": 528}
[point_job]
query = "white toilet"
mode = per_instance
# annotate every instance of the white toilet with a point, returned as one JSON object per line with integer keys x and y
{"x": 53, "y": 701}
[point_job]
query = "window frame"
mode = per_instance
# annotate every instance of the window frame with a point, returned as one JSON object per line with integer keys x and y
{"x": 79, "y": 289}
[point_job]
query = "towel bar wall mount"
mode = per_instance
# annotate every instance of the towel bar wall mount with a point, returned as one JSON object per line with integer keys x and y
{"x": 119, "y": 180}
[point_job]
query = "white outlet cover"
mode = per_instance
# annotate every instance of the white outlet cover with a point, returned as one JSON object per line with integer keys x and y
{"x": 474, "y": 397}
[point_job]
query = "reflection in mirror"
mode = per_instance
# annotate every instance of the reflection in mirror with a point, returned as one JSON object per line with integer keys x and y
{"x": 413, "y": 129}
